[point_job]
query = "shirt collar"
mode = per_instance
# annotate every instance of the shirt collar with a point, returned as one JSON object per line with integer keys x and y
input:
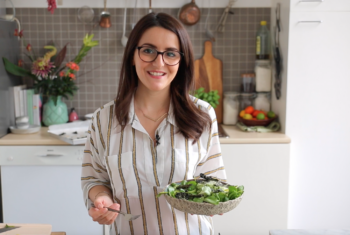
{"x": 131, "y": 111}
{"x": 132, "y": 117}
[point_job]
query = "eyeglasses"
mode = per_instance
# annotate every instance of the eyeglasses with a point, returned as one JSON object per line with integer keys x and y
{"x": 149, "y": 54}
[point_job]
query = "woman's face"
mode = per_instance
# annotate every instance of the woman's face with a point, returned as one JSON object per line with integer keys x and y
{"x": 156, "y": 75}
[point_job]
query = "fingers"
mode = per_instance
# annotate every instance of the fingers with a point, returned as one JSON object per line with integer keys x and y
{"x": 115, "y": 206}
{"x": 213, "y": 215}
{"x": 103, "y": 201}
{"x": 102, "y": 215}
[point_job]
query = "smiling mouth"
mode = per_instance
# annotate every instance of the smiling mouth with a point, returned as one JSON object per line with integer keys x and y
{"x": 156, "y": 73}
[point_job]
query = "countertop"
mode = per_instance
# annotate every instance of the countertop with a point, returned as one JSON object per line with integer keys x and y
{"x": 236, "y": 137}
{"x": 311, "y": 232}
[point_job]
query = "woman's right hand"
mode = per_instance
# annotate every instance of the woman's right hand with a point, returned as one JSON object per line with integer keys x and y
{"x": 101, "y": 214}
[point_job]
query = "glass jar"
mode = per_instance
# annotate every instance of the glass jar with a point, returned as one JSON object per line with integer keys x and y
{"x": 231, "y": 108}
{"x": 263, "y": 76}
{"x": 262, "y": 101}
{"x": 248, "y": 82}
{"x": 246, "y": 99}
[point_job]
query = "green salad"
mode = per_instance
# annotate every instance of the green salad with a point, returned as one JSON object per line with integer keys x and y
{"x": 207, "y": 189}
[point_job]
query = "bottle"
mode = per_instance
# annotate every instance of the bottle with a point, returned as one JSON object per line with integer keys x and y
{"x": 231, "y": 106}
{"x": 263, "y": 42}
{"x": 73, "y": 116}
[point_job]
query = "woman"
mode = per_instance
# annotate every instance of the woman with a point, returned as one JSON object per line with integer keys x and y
{"x": 153, "y": 134}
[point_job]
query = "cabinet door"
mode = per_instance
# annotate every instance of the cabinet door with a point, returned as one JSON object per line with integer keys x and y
{"x": 318, "y": 77}
{"x": 263, "y": 171}
{"x": 46, "y": 195}
{"x": 320, "y": 5}
{"x": 317, "y": 119}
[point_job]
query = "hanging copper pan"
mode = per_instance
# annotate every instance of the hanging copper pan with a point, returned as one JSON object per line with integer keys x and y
{"x": 189, "y": 14}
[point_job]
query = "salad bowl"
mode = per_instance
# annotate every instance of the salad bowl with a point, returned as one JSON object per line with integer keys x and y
{"x": 201, "y": 208}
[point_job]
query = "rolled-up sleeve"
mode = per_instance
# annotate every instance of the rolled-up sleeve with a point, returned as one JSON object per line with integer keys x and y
{"x": 212, "y": 163}
{"x": 93, "y": 171}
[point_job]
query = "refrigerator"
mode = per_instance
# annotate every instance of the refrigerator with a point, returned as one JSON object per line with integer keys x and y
{"x": 9, "y": 48}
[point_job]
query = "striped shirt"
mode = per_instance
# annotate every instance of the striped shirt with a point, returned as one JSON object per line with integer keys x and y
{"x": 128, "y": 163}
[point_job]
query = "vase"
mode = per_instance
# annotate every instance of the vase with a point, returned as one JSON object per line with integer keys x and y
{"x": 55, "y": 114}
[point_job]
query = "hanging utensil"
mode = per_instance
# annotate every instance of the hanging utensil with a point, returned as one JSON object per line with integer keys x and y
{"x": 124, "y": 39}
{"x": 277, "y": 56}
{"x": 221, "y": 26}
{"x": 4, "y": 15}
{"x": 134, "y": 16}
{"x": 150, "y": 6}
{"x": 208, "y": 31}
{"x": 86, "y": 14}
{"x": 105, "y": 21}
{"x": 189, "y": 14}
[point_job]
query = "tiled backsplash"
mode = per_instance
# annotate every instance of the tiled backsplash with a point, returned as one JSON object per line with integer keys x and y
{"x": 98, "y": 77}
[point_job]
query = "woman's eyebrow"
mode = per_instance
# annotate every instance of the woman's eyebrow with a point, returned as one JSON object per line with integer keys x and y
{"x": 167, "y": 49}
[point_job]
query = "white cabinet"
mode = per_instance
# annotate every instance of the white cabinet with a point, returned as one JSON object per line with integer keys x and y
{"x": 316, "y": 61}
{"x": 320, "y": 5}
{"x": 45, "y": 189}
{"x": 263, "y": 170}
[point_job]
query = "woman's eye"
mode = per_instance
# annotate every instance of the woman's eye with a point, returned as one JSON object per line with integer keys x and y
{"x": 170, "y": 54}
{"x": 148, "y": 51}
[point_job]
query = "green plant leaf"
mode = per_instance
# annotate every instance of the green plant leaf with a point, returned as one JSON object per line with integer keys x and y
{"x": 16, "y": 70}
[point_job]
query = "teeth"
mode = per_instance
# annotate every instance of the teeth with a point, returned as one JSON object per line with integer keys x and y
{"x": 156, "y": 74}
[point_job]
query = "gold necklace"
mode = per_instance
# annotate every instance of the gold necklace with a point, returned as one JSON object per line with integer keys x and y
{"x": 155, "y": 120}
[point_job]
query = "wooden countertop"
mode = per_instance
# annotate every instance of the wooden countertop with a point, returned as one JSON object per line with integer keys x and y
{"x": 236, "y": 137}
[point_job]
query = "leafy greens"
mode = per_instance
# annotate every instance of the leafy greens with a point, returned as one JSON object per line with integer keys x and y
{"x": 208, "y": 190}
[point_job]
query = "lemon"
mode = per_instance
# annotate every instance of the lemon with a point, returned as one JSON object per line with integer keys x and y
{"x": 271, "y": 114}
{"x": 260, "y": 116}
{"x": 248, "y": 116}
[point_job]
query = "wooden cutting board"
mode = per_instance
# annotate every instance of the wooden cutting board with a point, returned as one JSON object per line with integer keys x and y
{"x": 208, "y": 74}
{"x": 28, "y": 229}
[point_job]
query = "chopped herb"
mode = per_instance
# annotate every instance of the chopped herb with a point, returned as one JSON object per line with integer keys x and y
{"x": 8, "y": 226}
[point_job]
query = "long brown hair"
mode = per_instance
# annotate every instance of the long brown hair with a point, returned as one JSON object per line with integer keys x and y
{"x": 190, "y": 120}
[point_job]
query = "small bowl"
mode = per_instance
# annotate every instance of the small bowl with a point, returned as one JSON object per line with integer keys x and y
{"x": 202, "y": 208}
{"x": 256, "y": 122}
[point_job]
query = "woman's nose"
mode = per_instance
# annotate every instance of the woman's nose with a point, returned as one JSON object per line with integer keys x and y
{"x": 159, "y": 60}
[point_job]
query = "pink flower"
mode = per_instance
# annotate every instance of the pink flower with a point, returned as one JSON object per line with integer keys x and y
{"x": 29, "y": 47}
{"x": 61, "y": 74}
{"x": 41, "y": 67}
{"x": 51, "y": 5}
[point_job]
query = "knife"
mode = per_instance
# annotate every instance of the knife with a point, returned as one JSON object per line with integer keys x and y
{"x": 6, "y": 229}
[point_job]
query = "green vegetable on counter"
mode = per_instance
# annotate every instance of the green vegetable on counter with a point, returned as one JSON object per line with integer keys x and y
{"x": 211, "y": 97}
{"x": 208, "y": 190}
{"x": 8, "y": 226}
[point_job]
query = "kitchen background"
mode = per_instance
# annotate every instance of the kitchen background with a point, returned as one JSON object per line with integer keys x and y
{"x": 98, "y": 77}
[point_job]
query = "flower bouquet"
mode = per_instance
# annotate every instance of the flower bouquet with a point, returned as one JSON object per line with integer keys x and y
{"x": 52, "y": 79}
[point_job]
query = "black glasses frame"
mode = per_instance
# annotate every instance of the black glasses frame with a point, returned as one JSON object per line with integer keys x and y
{"x": 160, "y": 53}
